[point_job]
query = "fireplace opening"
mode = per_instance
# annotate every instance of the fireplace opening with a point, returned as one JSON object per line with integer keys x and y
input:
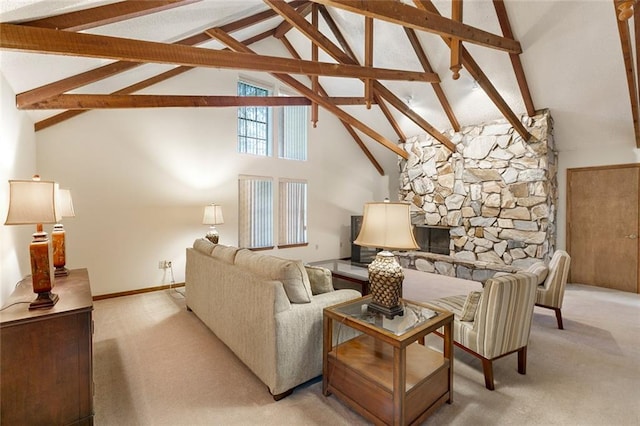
{"x": 432, "y": 239}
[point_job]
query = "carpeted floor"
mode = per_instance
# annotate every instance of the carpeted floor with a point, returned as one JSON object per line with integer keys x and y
{"x": 157, "y": 364}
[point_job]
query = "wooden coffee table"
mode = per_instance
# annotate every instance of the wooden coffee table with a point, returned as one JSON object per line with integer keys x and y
{"x": 386, "y": 373}
{"x": 347, "y": 271}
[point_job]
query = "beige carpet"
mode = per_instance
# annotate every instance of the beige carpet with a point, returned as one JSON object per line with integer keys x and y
{"x": 157, "y": 364}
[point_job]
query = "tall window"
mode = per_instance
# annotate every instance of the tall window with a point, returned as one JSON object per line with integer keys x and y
{"x": 254, "y": 129}
{"x": 292, "y": 224}
{"x": 292, "y": 140}
{"x": 255, "y": 212}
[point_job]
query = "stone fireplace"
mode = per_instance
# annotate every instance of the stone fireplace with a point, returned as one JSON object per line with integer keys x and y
{"x": 496, "y": 194}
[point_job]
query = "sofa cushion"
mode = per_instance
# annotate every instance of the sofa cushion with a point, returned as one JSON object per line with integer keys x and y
{"x": 224, "y": 253}
{"x": 540, "y": 270}
{"x": 470, "y": 306}
{"x": 320, "y": 279}
{"x": 291, "y": 273}
{"x": 203, "y": 245}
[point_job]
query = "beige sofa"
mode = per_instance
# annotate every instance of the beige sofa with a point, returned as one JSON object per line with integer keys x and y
{"x": 265, "y": 309}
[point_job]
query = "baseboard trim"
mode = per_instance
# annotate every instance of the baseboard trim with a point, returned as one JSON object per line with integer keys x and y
{"x": 139, "y": 291}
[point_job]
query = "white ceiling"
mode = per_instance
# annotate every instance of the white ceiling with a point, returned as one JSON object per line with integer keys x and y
{"x": 571, "y": 56}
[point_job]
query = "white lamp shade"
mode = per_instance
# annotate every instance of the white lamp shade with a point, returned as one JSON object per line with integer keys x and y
{"x": 212, "y": 215}
{"x": 65, "y": 204}
{"x": 387, "y": 226}
{"x": 32, "y": 202}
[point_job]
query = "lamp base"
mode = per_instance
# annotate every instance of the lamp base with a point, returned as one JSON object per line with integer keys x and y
{"x": 44, "y": 301}
{"x": 61, "y": 271}
{"x": 388, "y": 312}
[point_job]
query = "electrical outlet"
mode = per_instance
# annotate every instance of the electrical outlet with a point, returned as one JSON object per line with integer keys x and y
{"x": 164, "y": 264}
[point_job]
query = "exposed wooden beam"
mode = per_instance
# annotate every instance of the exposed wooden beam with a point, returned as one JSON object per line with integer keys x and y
{"x": 518, "y": 69}
{"x": 408, "y": 16}
{"x": 336, "y": 53}
{"x": 315, "y": 84}
{"x": 41, "y": 40}
{"x": 337, "y": 33}
{"x": 387, "y": 113}
{"x": 437, "y": 88}
{"x": 456, "y": 15}
{"x": 483, "y": 81}
{"x": 368, "y": 58}
{"x": 305, "y": 91}
{"x": 107, "y": 14}
{"x": 116, "y": 101}
{"x": 285, "y": 26}
{"x": 627, "y": 54}
{"x": 347, "y": 126}
{"x": 63, "y": 116}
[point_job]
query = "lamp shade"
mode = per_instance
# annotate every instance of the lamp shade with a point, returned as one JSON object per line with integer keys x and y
{"x": 212, "y": 215}
{"x": 32, "y": 202}
{"x": 65, "y": 204}
{"x": 387, "y": 226}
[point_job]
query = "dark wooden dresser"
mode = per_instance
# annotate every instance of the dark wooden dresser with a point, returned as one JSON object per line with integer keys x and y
{"x": 46, "y": 356}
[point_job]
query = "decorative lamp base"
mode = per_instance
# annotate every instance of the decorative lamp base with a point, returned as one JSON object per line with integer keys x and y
{"x": 44, "y": 301}
{"x": 61, "y": 271}
{"x": 213, "y": 235}
{"x": 385, "y": 278}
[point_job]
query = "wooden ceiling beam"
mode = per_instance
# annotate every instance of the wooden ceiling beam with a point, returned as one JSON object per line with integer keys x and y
{"x": 66, "y": 115}
{"x": 437, "y": 87}
{"x": 408, "y": 16}
{"x": 627, "y": 54}
{"x": 328, "y": 19}
{"x": 285, "y": 26}
{"x": 117, "y": 101}
{"x": 354, "y": 135}
{"x": 336, "y": 53}
{"x": 41, "y": 40}
{"x": 483, "y": 81}
{"x": 516, "y": 63}
{"x": 107, "y": 14}
{"x": 305, "y": 91}
{"x": 387, "y": 113}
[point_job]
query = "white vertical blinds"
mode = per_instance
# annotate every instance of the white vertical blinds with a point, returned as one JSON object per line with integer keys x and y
{"x": 255, "y": 212}
{"x": 293, "y": 132}
{"x": 292, "y": 223}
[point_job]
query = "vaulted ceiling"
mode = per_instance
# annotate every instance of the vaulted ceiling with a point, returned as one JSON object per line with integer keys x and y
{"x": 386, "y": 69}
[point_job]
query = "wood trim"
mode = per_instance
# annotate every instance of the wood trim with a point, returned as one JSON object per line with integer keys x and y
{"x": 516, "y": 63}
{"x": 102, "y": 15}
{"x": 627, "y": 54}
{"x": 408, "y": 16}
{"x": 139, "y": 291}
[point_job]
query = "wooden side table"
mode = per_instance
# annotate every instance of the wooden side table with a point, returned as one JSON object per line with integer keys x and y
{"x": 385, "y": 373}
{"x": 46, "y": 360}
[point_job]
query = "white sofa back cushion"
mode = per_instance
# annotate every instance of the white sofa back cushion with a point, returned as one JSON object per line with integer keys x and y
{"x": 291, "y": 273}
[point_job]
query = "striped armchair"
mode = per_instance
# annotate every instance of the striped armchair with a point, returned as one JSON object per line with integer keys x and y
{"x": 550, "y": 293}
{"x": 501, "y": 323}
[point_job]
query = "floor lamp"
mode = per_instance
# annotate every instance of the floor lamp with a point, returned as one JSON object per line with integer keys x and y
{"x": 33, "y": 202}
{"x": 387, "y": 226}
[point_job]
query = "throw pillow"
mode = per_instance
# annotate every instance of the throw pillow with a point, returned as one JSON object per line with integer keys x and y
{"x": 540, "y": 270}
{"x": 470, "y": 306}
{"x": 320, "y": 279}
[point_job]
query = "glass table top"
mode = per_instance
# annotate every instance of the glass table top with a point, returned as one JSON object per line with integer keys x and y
{"x": 413, "y": 316}
{"x": 345, "y": 268}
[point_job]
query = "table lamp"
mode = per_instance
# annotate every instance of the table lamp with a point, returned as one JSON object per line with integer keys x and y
{"x": 65, "y": 204}
{"x": 33, "y": 202}
{"x": 212, "y": 216}
{"x": 387, "y": 226}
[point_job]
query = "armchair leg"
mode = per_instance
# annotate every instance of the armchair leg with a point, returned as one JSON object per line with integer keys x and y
{"x": 559, "y": 318}
{"x": 487, "y": 368}
{"x": 522, "y": 360}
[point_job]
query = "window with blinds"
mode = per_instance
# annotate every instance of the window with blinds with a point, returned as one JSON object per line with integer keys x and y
{"x": 292, "y": 140}
{"x": 255, "y": 215}
{"x": 292, "y": 224}
{"x": 254, "y": 129}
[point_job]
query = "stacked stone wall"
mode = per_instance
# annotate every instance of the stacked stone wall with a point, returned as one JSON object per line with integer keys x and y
{"x": 497, "y": 192}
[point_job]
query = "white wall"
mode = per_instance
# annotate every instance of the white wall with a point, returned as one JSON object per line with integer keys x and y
{"x": 17, "y": 161}
{"x": 141, "y": 178}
